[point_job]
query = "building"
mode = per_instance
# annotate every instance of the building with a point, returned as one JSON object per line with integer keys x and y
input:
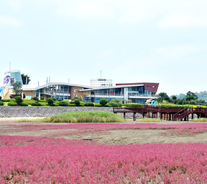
{"x": 101, "y": 82}
{"x": 136, "y": 92}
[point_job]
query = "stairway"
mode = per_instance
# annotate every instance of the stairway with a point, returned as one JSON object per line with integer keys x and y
{"x": 181, "y": 114}
{"x": 5, "y": 93}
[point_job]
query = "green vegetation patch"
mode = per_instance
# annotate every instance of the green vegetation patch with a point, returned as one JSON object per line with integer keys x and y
{"x": 150, "y": 120}
{"x": 87, "y": 116}
{"x": 81, "y": 117}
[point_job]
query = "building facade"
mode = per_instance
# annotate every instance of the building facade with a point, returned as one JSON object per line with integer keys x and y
{"x": 136, "y": 92}
{"x": 101, "y": 82}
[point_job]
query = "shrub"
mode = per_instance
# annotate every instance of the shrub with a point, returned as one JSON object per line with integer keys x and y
{"x": 0, "y": 98}
{"x": 35, "y": 98}
{"x": 98, "y": 105}
{"x": 50, "y": 101}
{"x": 12, "y": 100}
{"x": 1, "y": 103}
{"x": 54, "y": 99}
{"x": 42, "y": 101}
{"x": 71, "y": 105}
{"x": 77, "y": 102}
{"x": 23, "y": 104}
{"x": 12, "y": 104}
{"x": 6, "y": 100}
{"x": 18, "y": 100}
{"x": 89, "y": 104}
{"x": 60, "y": 100}
{"x": 113, "y": 104}
{"x": 77, "y": 98}
{"x": 36, "y": 104}
{"x": 63, "y": 103}
{"x": 103, "y": 101}
{"x": 133, "y": 105}
{"x": 107, "y": 105}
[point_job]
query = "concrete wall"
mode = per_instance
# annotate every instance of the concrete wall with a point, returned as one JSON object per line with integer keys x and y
{"x": 49, "y": 111}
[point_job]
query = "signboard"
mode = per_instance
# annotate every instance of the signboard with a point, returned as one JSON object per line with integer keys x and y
{"x": 6, "y": 80}
{"x": 126, "y": 94}
{"x": 28, "y": 97}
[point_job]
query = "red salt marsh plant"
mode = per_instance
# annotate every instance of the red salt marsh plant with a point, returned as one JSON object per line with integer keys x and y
{"x": 144, "y": 163}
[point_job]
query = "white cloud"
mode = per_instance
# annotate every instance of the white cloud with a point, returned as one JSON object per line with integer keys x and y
{"x": 178, "y": 20}
{"x": 164, "y": 14}
{"x": 14, "y": 4}
{"x": 10, "y": 21}
{"x": 107, "y": 53}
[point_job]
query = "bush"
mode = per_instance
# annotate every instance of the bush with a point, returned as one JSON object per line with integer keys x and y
{"x": 71, "y": 104}
{"x": 98, "y": 105}
{"x": 107, "y": 105}
{"x": 18, "y": 100}
{"x": 36, "y": 104}
{"x": 0, "y": 98}
{"x": 12, "y": 104}
{"x": 60, "y": 100}
{"x": 63, "y": 103}
{"x": 23, "y": 104}
{"x": 133, "y": 105}
{"x": 77, "y": 98}
{"x": 54, "y": 99}
{"x": 42, "y": 101}
{"x": 89, "y": 104}
{"x": 6, "y": 100}
{"x": 50, "y": 101}
{"x": 35, "y": 98}
{"x": 1, "y": 103}
{"x": 103, "y": 102}
{"x": 77, "y": 102}
{"x": 113, "y": 104}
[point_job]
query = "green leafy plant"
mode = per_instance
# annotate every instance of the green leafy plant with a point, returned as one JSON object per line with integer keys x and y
{"x": 103, "y": 101}
{"x": 18, "y": 100}
{"x": 77, "y": 102}
{"x": 50, "y": 101}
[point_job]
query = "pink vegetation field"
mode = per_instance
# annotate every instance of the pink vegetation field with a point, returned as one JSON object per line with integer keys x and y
{"x": 25, "y": 159}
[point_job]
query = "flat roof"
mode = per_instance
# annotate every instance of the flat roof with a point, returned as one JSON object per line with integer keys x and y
{"x": 32, "y": 87}
{"x": 112, "y": 87}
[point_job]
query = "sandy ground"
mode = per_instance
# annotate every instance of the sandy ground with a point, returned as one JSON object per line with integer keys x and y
{"x": 127, "y": 136}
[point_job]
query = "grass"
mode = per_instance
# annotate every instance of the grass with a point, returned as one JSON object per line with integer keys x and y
{"x": 150, "y": 120}
{"x": 80, "y": 117}
{"x": 199, "y": 120}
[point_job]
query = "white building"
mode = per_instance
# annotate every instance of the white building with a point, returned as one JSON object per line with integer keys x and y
{"x": 101, "y": 82}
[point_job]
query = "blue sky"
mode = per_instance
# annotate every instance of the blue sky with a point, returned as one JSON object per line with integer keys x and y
{"x": 130, "y": 41}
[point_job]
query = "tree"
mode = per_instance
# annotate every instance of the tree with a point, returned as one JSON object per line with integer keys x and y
{"x": 25, "y": 79}
{"x": 189, "y": 93}
{"x": 174, "y": 97}
{"x": 17, "y": 88}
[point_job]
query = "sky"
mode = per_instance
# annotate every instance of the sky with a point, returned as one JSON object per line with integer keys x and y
{"x": 128, "y": 40}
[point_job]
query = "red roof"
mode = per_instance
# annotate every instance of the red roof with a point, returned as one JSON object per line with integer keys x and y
{"x": 153, "y": 87}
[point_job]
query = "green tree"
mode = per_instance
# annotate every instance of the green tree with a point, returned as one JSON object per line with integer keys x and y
{"x": 17, "y": 88}
{"x": 25, "y": 79}
{"x": 189, "y": 93}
